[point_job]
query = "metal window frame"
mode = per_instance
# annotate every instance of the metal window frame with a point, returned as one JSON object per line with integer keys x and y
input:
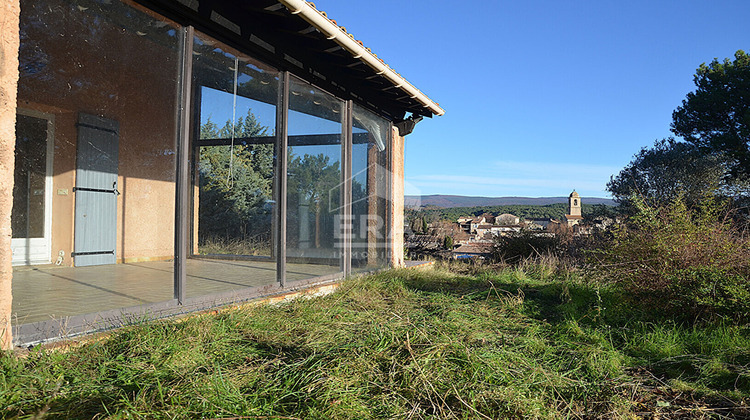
{"x": 182, "y": 182}
{"x": 282, "y": 145}
{"x": 346, "y": 200}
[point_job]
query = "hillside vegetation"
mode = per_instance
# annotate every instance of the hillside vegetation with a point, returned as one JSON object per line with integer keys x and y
{"x": 524, "y": 211}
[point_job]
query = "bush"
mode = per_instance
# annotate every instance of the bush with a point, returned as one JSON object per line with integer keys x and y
{"x": 688, "y": 263}
{"x": 520, "y": 246}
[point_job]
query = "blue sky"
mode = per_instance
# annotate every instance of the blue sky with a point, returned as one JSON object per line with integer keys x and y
{"x": 541, "y": 97}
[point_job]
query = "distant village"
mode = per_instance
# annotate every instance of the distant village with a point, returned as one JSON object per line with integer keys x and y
{"x": 474, "y": 237}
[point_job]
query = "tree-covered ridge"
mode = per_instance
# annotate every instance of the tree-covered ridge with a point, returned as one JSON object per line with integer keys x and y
{"x": 552, "y": 211}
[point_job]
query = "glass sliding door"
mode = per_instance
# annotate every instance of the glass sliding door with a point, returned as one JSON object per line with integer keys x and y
{"x": 99, "y": 189}
{"x": 314, "y": 182}
{"x": 370, "y": 193}
{"x": 234, "y": 150}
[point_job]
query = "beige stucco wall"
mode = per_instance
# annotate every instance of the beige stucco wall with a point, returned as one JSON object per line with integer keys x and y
{"x": 9, "y": 40}
{"x": 397, "y": 199}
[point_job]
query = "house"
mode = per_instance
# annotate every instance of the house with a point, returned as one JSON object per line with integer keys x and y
{"x": 507, "y": 219}
{"x": 504, "y": 230}
{"x": 485, "y": 219}
{"x": 473, "y": 250}
{"x": 176, "y": 155}
{"x": 538, "y": 223}
{"x": 483, "y": 231}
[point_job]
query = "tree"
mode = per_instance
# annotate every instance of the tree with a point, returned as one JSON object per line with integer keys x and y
{"x": 716, "y": 117}
{"x": 448, "y": 243}
{"x": 668, "y": 169}
{"x": 313, "y": 183}
{"x": 236, "y": 183}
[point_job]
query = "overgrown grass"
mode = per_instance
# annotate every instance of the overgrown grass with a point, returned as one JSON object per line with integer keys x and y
{"x": 510, "y": 343}
{"x": 252, "y": 246}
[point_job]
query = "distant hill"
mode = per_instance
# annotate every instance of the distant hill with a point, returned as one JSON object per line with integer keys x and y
{"x": 447, "y": 201}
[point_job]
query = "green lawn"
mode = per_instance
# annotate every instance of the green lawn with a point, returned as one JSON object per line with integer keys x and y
{"x": 400, "y": 344}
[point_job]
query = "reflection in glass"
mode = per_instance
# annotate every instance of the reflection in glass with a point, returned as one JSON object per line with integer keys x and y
{"x": 314, "y": 240}
{"x": 27, "y": 217}
{"x": 369, "y": 190}
{"x": 235, "y": 155}
{"x": 115, "y": 65}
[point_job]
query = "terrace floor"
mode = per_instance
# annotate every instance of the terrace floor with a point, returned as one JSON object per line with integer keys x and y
{"x": 44, "y": 292}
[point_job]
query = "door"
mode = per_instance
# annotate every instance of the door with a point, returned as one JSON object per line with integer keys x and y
{"x": 32, "y": 188}
{"x": 96, "y": 191}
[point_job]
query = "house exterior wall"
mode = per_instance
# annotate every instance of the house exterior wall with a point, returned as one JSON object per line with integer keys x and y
{"x": 9, "y": 41}
{"x": 397, "y": 199}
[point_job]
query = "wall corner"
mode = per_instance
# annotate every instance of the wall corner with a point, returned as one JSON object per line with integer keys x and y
{"x": 10, "y": 11}
{"x": 397, "y": 199}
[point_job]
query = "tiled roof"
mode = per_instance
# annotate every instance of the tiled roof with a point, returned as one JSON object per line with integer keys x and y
{"x": 292, "y": 35}
{"x": 362, "y": 53}
{"x": 473, "y": 249}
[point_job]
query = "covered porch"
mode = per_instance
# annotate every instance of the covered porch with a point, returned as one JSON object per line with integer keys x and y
{"x": 167, "y": 156}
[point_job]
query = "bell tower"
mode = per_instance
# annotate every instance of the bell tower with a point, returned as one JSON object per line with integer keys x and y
{"x": 574, "y": 204}
{"x": 574, "y": 209}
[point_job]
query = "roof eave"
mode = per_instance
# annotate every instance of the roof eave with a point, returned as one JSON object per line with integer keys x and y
{"x": 335, "y": 33}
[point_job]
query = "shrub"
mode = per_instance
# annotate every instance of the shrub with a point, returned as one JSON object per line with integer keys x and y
{"x": 519, "y": 246}
{"x": 691, "y": 263}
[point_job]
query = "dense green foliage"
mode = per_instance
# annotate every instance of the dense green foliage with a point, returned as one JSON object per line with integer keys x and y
{"x": 667, "y": 170}
{"x": 314, "y": 183}
{"x": 236, "y": 184}
{"x": 714, "y": 121}
{"x": 517, "y": 247}
{"x": 716, "y": 117}
{"x": 236, "y": 190}
{"x": 402, "y": 344}
{"x": 689, "y": 262}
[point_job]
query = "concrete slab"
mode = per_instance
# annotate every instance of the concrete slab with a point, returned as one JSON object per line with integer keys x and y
{"x": 44, "y": 292}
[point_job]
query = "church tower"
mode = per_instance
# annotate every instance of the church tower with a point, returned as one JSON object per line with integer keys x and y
{"x": 574, "y": 204}
{"x": 574, "y": 209}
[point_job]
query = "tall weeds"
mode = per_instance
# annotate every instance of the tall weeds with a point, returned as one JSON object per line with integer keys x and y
{"x": 690, "y": 263}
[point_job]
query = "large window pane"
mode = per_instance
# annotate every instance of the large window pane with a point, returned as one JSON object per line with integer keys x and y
{"x": 95, "y": 188}
{"x": 370, "y": 180}
{"x": 314, "y": 240}
{"x": 235, "y": 159}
